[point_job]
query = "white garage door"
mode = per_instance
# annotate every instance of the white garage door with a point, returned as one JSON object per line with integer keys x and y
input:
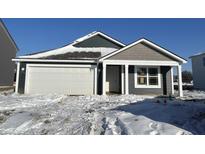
{"x": 66, "y": 79}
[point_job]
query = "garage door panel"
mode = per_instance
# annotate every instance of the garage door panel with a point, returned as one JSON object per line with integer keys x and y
{"x": 68, "y": 80}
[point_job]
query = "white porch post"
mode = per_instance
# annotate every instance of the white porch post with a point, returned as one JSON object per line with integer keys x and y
{"x": 95, "y": 90}
{"x": 179, "y": 70}
{"x": 104, "y": 79}
{"x": 172, "y": 80}
{"x": 126, "y": 80}
{"x": 122, "y": 80}
{"x": 17, "y": 77}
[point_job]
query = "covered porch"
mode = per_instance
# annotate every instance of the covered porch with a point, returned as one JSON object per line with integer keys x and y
{"x": 140, "y": 77}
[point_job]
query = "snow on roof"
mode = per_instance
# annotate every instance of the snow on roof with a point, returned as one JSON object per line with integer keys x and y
{"x": 70, "y": 49}
{"x": 198, "y": 54}
{"x": 84, "y": 37}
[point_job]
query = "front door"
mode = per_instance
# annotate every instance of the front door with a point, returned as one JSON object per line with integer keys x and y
{"x": 113, "y": 79}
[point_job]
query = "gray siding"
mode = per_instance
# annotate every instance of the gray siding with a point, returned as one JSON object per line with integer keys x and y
{"x": 165, "y": 83}
{"x": 198, "y": 70}
{"x": 98, "y": 41}
{"x": 7, "y": 52}
{"x": 166, "y": 74}
{"x": 141, "y": 52}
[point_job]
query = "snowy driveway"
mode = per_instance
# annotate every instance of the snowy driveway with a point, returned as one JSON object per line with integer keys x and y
{"x": 125, "y": 114}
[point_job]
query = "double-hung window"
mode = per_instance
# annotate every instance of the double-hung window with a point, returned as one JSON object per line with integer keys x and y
{"x": 147, "y": 77}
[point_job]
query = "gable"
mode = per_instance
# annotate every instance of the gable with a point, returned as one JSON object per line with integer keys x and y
{"x": 98, "y": 41}
{"x": 141, "y": 51}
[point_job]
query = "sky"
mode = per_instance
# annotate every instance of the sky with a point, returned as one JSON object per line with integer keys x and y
{"x": 184, "y": 37}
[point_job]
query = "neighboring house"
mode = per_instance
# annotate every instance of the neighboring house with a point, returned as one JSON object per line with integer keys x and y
{"x": 8, "y": 50}
{"x": 99, "y": 64}
{"x": 198, "y": 71}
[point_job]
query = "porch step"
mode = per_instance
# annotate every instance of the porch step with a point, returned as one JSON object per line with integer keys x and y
{"x": 4, "y": 88}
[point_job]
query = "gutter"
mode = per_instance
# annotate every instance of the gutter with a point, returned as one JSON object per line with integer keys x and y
{"x": 50, "y": 60}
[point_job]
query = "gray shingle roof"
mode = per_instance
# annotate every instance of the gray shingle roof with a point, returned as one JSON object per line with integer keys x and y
{"x": 74, "y": 55}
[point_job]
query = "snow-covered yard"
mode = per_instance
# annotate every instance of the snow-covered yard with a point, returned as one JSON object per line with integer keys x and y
{"x": 123, "y": 114}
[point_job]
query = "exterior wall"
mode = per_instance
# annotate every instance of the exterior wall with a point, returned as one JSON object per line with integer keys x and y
{"x": 198, "y": 70}
{"x": 98, "y": 41}
{"x": 165, "y": 83}
{"x": 164, "y": 90}
{"x": 7, "y": 52}
{"x": 113, "y": 82}
{"x": 141, "y": 52}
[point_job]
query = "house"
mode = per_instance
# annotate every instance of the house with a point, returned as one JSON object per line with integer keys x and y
{"x": 8, "y": 50}
{"x": 198, "y": 70}
{"x": 100, "y": 64}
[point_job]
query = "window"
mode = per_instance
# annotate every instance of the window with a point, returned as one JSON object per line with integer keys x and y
{"x": 142, "y": 76}
{"x": 147, "y": 77}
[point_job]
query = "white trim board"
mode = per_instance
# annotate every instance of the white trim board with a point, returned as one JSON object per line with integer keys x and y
{"x": 172, "y": 80}
{"x": 57, "y": 61}
{"x": 17, "y": 77}
{"x": 60, "y": 65}
{"x": 149, "y": 43}
{"x": 141, "y": 62}
{"x": 122, "y": 80}
{"x": 96, "y": 80}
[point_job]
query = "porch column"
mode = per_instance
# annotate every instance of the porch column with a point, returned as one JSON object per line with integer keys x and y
{"x": 126, "y": 80}
{"x": 96, "y": 83}
{"x": 104, "y": 79}
{"x": 179, "y": 70}
{"x": 122, "y": 79}
{"x": 172, "y": 80}
{"x": 17, "y": 77}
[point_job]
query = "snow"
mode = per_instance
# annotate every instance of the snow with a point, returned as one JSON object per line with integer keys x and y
{"x": 105, "y": 115}
{"x": 69, "y": 48}
{"x": 85, "y": 37}
{"x": 198, "y": 54}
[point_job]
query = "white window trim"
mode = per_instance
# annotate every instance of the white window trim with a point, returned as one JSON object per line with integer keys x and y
{"x": 147, "y": 86}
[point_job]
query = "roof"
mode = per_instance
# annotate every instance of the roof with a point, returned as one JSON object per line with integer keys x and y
{"x": 8, "y": 34}
{"x": 198, "y": 54}
{"x": 143, "y": 40}
{"x": 74, "y": 55}
{"x": 72, "y": 52}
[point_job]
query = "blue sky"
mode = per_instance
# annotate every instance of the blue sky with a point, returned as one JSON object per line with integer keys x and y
{"x": 184, "y": 37}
